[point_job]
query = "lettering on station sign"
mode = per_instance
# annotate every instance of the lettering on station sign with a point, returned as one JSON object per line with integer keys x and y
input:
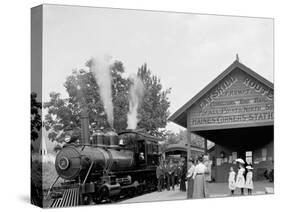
{"x": 217, "y": 92}
{"x": 237, "y": 99}
{"x": 233, "y": 118}
{"x": 259, "y": 87}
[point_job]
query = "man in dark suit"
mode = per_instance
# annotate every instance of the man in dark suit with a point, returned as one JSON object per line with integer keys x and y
{"x": 160, "y": 176}
{"x": 171, "y": 175}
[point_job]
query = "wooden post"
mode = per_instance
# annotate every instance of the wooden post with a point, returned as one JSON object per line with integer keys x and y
{"x": 205, "y": 146}
{"x": 188, "y": 141}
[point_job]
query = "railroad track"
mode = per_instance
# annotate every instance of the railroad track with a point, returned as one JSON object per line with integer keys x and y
{"x": 69, "y": 198}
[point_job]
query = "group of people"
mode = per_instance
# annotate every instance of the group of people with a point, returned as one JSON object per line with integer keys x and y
{"x": 170, "y": 173}
{"x": 197, "y": 173}
{"x": 239, "y": 181}
{"x": 198, "y": 177}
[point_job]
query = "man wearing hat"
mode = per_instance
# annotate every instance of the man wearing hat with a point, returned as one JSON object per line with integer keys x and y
{"x": 160, "y": 176}
{"x": 208, "y": 165}
{"x": 171, "y": 174}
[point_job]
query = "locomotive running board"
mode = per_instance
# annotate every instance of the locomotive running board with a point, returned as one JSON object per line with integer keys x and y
{"x": 69, "y": 198}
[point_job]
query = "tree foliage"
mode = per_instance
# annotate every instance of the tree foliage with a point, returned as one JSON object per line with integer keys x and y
{"x": 83, "y": 92}
{"x": 154, "y": 108}
{"x": 36, "y": 122}
{"x": 181, "y": 138}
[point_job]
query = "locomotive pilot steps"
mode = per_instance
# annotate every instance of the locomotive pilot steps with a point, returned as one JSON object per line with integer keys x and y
{"x": 104, "y": 168}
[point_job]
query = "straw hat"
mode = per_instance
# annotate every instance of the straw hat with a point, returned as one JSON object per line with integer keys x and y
{"x": 249, "y": 167}
{"x": 240, "y": 160}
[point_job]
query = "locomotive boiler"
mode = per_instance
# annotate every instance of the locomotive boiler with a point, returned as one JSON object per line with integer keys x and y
{"x": 105, "y": 166}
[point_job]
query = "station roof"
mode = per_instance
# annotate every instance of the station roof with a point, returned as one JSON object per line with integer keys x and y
{"x": 181, "y": 147}
{"x": 141, "y": 134}
{"x": 180, "y": 116}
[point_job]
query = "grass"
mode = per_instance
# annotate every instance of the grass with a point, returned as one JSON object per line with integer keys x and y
{"x": 43, "y": 173}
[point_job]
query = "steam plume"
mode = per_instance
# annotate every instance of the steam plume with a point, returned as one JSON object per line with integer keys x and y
{"x": 135, "y": 97}
{"x": 100, "y": 67}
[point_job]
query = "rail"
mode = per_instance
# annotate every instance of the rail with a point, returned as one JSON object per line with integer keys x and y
{"x": 69, "y": 198}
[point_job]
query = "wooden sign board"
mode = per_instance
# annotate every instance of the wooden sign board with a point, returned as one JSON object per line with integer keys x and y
{"x": 238, "y": 100}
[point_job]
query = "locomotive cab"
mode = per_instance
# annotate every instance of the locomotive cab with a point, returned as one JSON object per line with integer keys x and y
{"x": 145, "y": 147}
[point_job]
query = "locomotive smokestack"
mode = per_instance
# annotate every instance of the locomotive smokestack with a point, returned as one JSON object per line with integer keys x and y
{"x": 85, "y": 126}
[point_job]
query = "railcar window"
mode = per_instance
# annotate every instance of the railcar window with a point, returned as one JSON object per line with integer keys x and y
{"x": 149, "y": 148}
{"x": 155, "y": 149}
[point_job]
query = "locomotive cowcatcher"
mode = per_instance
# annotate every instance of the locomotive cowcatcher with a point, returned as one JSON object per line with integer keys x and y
{"x": 104, "y": 167}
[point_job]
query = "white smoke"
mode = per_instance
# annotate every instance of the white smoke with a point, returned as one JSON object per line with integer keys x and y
{"x": 135, "y": 97}
{"x": 100, "y": 67}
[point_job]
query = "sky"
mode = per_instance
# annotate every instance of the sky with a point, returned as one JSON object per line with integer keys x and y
{"x": 186, "y": 51}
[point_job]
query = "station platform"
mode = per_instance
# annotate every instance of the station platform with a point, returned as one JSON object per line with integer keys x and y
{"x": 215, "y": 190}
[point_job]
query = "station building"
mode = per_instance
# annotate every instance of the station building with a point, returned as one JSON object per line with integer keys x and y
{"x": 235, "y": 111}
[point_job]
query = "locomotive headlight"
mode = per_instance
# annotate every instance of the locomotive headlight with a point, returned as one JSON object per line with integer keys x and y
{"x": 67, "y": 138}
{"x": 63, "y": 163}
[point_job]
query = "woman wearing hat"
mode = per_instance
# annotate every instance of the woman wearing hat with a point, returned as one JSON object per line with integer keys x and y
{"x": 240, "y": 179}
{"x": 200, "y": 187}
{"x": 249, "y": 180}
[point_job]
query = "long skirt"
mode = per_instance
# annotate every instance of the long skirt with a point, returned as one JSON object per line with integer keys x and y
{"x": 160, "y": 183}
{"x": 190, "y": 187}
{"x": 249, "y": 184}
{"x": 240, "y": 181}
{"x": 200, "y": 187}
{"x": 182, "y": 184}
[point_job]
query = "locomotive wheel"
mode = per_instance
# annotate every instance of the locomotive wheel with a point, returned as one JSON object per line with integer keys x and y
{"x": 97, "y": 200}
{"x": 103, "y": 194}
{"x": 131, "y": 192}
{"x": 114, "y": 198}
{"x": 87, "y": 199}
{"x": 140, "y": 189}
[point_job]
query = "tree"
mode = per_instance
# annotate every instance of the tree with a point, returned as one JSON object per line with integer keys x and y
{"x": 181, "y": 138}
{"x": 83, "y": 92}
{"x": 36, "y": 123}
{"x": 63, "y": 115}
{"x": 154, "y": 108}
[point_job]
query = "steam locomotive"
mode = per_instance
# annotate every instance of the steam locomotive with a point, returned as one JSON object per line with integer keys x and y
{"x": 105, "y": 167}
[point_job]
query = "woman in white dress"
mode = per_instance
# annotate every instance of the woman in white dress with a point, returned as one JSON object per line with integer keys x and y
{"x": 231, "y": 181}
{"x": 240, "y": 180}
{"x": 249, "y": 180}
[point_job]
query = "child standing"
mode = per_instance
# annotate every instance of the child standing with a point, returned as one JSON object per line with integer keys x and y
{"x": 249, "y": 180}
{"x": 231, "y": 180}
{"x": 240, "y": 179}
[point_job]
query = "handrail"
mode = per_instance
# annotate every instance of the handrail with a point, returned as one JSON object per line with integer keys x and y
{"x": 88, "y": 172}
{"x": 52, "y": 186}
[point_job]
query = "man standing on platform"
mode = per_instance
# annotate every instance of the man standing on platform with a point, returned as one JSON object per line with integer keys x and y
{"x": 208, "y": 165}
{"x": 171, "y": 175}
{"x": 160, "y": 176}
{"x": 183, "y": 175}
{"x": 208, "y": 177}
{"x": 166, "y": 175}
{"x": 177, "y": 173}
